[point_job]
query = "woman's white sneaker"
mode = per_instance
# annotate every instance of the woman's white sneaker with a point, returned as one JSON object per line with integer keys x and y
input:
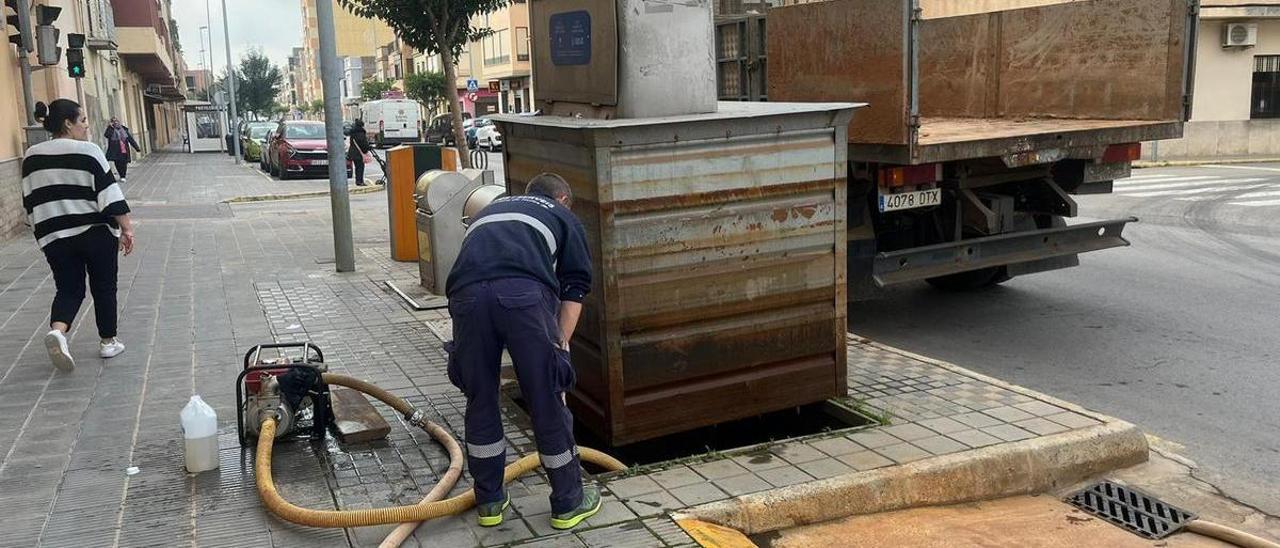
{"x": 56, "y": 343}
{"x": 110, "y": 349}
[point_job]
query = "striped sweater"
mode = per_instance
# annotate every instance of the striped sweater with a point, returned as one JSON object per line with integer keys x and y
{"x": 67, "y": 189}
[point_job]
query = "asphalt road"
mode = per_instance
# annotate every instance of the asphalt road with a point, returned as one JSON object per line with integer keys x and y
{"x": 1179, "y": 334}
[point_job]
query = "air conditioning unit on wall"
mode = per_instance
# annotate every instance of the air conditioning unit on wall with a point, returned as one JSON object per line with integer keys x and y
{"x": 1239, "y": 35}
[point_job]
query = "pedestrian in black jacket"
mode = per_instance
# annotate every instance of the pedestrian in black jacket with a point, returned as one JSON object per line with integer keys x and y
{"x": 357, "y": 147}
{"x": 119, "y": 139}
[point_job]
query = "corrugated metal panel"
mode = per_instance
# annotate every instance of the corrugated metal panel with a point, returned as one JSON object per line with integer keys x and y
{"x": 720, "y": 264}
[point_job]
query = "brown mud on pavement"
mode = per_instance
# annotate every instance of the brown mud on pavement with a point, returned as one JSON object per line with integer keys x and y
{"x": 1025, "y": 522}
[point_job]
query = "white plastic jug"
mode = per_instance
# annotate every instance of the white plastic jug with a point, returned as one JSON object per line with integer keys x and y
{"x": 200, "y": 433}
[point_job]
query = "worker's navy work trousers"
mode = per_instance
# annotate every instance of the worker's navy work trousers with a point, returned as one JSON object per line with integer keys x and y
{"x": 520, "y": 315}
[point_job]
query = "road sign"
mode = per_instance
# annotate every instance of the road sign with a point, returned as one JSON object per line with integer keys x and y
{"x": 472, "y": 85}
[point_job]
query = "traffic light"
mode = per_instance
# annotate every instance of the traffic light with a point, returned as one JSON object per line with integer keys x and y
{"x": 47, "y": 50}
{"x": 75, "y": 63}
{"x": 75, "y": 55}
{"x": 20, "y": 20}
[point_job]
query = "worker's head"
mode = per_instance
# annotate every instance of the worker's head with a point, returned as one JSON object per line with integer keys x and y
{"x": 552, "y": 186}
{"x": 115, "y": 121}
{"x": 358, "y": 124}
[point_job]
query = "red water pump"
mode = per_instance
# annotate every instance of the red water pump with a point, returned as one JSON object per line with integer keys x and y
{"x": 287, "y": 388}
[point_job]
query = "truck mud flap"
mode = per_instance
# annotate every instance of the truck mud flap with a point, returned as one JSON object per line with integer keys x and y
{"x": 908, "y": 265}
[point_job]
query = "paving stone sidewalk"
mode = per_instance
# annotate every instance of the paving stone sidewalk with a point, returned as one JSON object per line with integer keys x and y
{"x": 210, "y": 280}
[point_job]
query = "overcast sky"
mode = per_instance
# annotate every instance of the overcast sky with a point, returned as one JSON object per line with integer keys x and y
{"x": 274, "y": 26}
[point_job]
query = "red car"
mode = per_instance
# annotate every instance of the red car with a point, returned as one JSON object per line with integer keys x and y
{"x": 298, "y": 149}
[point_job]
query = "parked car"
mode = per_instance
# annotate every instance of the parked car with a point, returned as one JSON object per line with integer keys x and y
{"x": 298, "y": 149}
{"x": 253, "y": 138}
{"x": 469, "y": 128}
{"x": 440, "y": 130}
{"x": 486, "y": 135}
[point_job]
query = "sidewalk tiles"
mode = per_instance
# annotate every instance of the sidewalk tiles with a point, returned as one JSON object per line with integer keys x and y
{"x": 206, "y": 284}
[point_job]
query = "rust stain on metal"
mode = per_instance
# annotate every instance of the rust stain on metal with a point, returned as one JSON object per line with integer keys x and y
{"x": 730, "y": 194}
{"x": 720, "y": 267}
{"x": 1100, "y": 60}
{"x": 843, "y": 50}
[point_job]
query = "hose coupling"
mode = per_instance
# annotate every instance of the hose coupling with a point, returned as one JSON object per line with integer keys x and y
{"x": 417, "y": 418}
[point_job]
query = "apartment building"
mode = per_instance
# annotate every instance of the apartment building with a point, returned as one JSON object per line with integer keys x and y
{"x": 354, "y": 37}
{"x": 197, "y": 81}
{"x": 355, "y": 70}
{"x": 504, "y": 62}
{"x": 290, "y": 92}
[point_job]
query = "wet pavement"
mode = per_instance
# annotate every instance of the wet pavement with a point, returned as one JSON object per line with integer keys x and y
{"x": 210, "y": 280}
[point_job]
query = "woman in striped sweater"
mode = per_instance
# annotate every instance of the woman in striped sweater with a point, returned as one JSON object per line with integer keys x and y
{"x": 81, "y": 222}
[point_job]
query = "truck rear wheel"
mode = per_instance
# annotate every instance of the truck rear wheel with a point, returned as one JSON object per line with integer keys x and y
{"x": 971, "y": 280}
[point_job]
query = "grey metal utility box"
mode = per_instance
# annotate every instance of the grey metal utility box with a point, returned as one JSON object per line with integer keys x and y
{"x": 441, "y": 197}
{"x": 718, "y": 248}
{"x": 623, "y": 58}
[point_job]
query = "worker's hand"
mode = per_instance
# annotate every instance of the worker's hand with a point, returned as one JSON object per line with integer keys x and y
{"x": 126, "y": 241}
{"x": 563, "y": 345}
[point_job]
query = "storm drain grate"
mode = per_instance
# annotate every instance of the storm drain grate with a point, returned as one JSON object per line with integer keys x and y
{"x": 1132, "y": 509}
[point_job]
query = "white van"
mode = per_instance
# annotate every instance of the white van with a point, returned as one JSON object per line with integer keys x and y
{"x": 390, "y": 121}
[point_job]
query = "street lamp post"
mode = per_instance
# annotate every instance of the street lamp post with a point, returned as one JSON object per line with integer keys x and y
{"x": 231, "y": 84}
{"x": 340, "y": 202}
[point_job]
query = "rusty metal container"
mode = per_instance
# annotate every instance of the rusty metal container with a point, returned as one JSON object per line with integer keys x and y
{"x": 718, "y": 242}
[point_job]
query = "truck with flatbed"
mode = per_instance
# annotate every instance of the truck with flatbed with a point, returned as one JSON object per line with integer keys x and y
{"x": 985, "y": 119}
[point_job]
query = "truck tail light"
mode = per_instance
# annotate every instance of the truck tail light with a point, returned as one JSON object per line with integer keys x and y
{"x": 1129, "y": 152}
{"x": 891, "y": 177}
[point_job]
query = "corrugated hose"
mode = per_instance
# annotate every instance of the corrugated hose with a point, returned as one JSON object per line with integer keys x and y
{"x": 408, "y": 516}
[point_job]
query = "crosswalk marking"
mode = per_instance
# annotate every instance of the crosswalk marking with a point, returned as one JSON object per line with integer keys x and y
{"x": 1265, "y": 194}
{"x": 1239, "y": 188}
{"x": 1253, "y": 168}
{"x": 1256, "y": 204}
{"x": 1184, "y": 192}
{"x": 1169, "y": 180}
{"x": 1149, "y": 177}
{"x": 1141, "y": 188}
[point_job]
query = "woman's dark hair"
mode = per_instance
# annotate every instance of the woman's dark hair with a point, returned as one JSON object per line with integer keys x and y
{"x": 56, "y": 115}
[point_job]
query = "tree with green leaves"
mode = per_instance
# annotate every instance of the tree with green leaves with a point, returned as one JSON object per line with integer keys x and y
{"x": 435, "y": 27}
{"x": 221, "y": 85}
{"x": 316, "y": 107}
{"x": 259, "y": 83}
{"x": 372, "y": 89}
{"x": 427, "y": 88}
{"x": 173, "y": 35}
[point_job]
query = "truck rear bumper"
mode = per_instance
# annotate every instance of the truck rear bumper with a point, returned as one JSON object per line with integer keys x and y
{"x": 921, "y": 263}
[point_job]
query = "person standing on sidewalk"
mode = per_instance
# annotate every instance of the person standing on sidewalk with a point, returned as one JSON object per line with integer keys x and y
{"x": 518, "y": 283}
{"x": 357, "y": 147}
{"x": 81, "y": 222}
{"x": 119, "y": 139}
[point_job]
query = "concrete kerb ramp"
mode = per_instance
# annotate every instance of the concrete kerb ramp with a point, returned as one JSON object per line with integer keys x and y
{"x": 1025, "y": 467}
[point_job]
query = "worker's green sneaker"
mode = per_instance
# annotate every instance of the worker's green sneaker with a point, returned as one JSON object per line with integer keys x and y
{"x": 491, "y": 513}
{"x": 589, "y": 506}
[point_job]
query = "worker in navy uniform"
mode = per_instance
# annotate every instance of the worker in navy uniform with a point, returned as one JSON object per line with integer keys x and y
{"x": 518, "y": 283}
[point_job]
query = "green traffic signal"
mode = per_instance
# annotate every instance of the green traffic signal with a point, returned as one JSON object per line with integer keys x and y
{"x": 75, "y": 63}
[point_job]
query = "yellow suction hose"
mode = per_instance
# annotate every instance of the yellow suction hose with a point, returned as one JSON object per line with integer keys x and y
{"x": 411, "y": 515}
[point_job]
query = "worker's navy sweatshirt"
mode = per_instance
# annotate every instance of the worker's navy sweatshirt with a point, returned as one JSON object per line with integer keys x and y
{"x": 530, "y": 236}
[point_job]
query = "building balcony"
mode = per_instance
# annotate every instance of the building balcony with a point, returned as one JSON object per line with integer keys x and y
{"x": 143, "y": 42}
